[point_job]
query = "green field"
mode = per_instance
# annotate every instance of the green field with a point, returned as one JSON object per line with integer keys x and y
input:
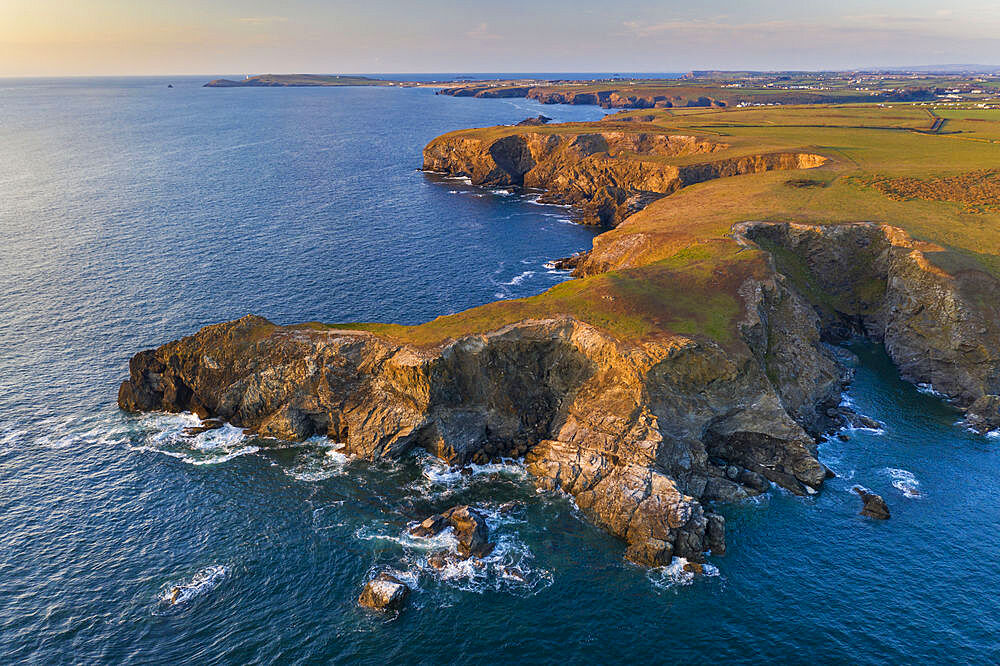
{"x": 884, "y": 164}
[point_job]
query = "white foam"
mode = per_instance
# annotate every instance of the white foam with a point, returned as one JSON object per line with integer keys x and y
{"x": 509, "y": 567}
{"x": 905, "y": 482}
{"x": 519, "y": 278}
{"x": 928, "y": 389}
{"x": 674, "y": 574}
{"x": 201, "y": 583}
{"x": 535, "y": 201}
{"x": 166, "y": 435}
{"x": 11, "y": 434}
{"x": 873, "y": 431}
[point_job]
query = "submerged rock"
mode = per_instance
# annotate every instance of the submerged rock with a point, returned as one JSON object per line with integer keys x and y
{"x": 204, "y": 426}
{"x": 385, "y": 592}
{"x": 874, "y": 505}
{"x": 851, "y": 419}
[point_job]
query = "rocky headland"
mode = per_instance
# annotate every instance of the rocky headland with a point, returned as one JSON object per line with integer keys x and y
{"x": 607, "y": 174}
{"x": 663, "y": 94}
{"x": 687, "y": 365}
{"x": 299, "y": 80}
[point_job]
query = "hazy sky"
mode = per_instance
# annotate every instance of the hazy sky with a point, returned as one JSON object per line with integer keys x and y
{"x": 66, "y": 37}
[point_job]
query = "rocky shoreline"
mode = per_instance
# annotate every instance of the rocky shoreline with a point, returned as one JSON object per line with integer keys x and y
{"x": 588, "y": 169}
{"x": 646, "y": 434}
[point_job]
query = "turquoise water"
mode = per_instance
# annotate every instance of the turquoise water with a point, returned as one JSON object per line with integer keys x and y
{"x": 132, "y": 214}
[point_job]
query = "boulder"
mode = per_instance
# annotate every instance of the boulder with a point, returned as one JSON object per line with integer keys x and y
{"x": 385, "y": 592}
{"x": 429, "y": 527}
{"x": 874, "y": 505}
{"x": 693, "y": 567}
{"x": 470, "y": 530}
{"x": 469, "y": 526}
{"x": 440, "y": 560}
{"x": 715, "y": 533}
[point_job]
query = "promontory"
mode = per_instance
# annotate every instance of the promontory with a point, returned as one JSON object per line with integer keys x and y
{"x": 689, "y": 362}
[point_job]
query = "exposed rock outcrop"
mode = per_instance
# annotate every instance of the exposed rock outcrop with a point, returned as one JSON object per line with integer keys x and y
{"x": 469, "y": 526}
{"x": 607, "y": 175}
{"x": 384, "y": 593}
{"x": 535, "y": 122}
{"x": 875, "y": 280}
{"x": 874, "y": 505}
{"x": 639, "y": 434}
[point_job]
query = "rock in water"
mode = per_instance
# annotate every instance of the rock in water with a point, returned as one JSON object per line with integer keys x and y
{"x": 385, "y": 592}
{"x": 715, "y": 533}
{"x": 470, "y": 530}
{"x": 694, "y": 567}
{"x": 429, "y": 527}
{"x": 875, "y": 506}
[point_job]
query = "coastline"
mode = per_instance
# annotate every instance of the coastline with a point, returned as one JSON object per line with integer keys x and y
{"x": 649, "y": 389}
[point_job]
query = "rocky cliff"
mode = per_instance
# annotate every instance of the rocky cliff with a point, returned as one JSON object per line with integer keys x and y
{"x": 608, "y": 175}
{"x": 687, "y": 366}
{"x": 656, "y": 94}
{"x": 645, "y": 435}
{"x": 642, "y": 435}
{"x": 939, "y": 328}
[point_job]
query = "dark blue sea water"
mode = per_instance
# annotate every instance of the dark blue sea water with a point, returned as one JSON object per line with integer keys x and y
{"x": 131, "y": 214}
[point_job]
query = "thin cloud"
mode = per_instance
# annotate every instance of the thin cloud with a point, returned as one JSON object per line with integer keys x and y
{"x": 262, "y": 20}
{"x": 482, "y": 31}
{"x": 928, "y": 27}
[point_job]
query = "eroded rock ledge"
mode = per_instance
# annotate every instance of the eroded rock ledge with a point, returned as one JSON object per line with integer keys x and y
{"x": 607, "y": 175}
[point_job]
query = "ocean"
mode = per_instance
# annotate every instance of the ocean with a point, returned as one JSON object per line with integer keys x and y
{"x": 132, "y": 213}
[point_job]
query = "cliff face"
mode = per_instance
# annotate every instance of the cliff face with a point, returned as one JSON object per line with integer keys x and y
{"x": 615, "y": 99}
{"x": 658, "y": 95}
{"x": 607, "y": 175}
{"x": 939, "y": 328}
{"x": 640, "y": 434}
{"x": 644, "y": 435}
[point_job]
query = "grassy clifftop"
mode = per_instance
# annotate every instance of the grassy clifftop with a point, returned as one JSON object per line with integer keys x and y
{"x": 674, "y": 267}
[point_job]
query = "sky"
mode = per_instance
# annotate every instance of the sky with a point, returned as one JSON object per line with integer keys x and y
{"x": 135, "y": 37}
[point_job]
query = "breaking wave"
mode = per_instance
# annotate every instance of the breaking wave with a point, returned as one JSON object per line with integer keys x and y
{"x": 678, "y": 573}
{"x": 174, "y": 435}
{"x": 928, "y": 389}
{"x": 321, "y": 460}
{"x": 200, "y": 584}
{"x": 905, "y": 482}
